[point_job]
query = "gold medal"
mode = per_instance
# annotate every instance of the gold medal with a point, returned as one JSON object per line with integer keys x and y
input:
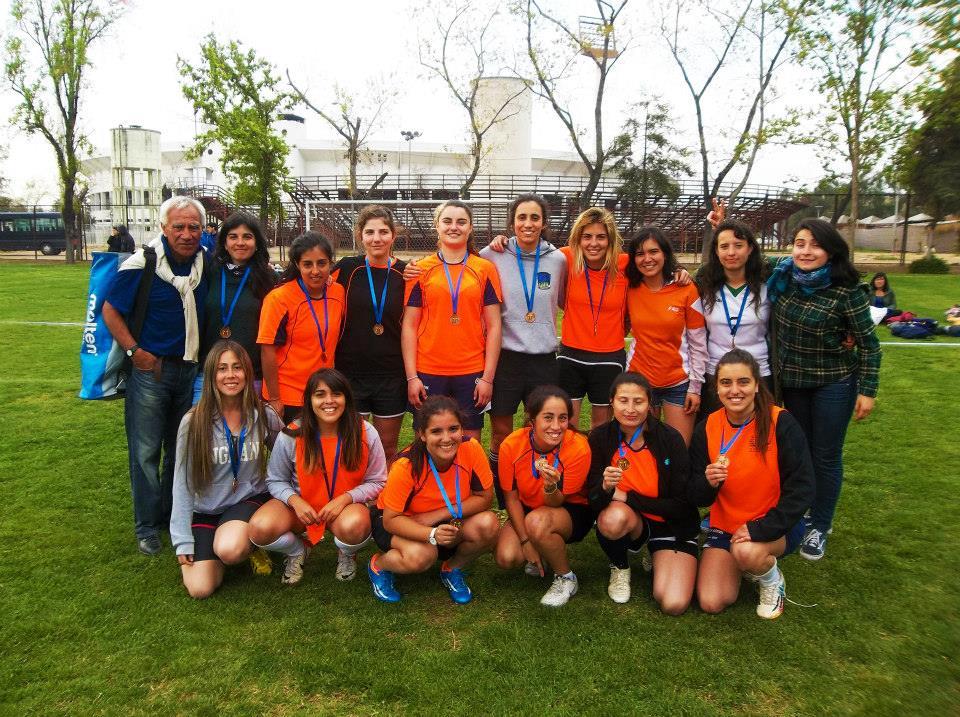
{"x": 457, "y": 523}
{"x": 541, "y": 464}
{"x": 623, "y": 464}
{"x": 722, "y": 460}
{"x": 454, "y": 319}
{"x": 225, "y": 332}
{"x": 378, "y": 329}
{"x": 531, "y": 317}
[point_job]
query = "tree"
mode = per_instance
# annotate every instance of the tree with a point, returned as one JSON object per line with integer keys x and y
{"x": 47, "y": 59}
{"x": 353, "y": 120}
{"x": 237, "y": 96}
{"x": 861, "y": 50}
{"x": 650, "y": 173}
{"x": 764, "y": 32}
{"x": 462, "y": 79}
{"x": 549, "y": 68}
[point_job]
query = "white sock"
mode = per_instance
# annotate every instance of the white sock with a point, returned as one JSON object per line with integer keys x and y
{"x": 288, "y": 544}
{"x": 569, "y": 575}
{"x": 771, "y": 577}
{"x": 348, "y": 549}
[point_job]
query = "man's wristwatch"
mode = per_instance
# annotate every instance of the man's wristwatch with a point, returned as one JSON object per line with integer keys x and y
{"x": 132, "y": 350}
{"x": 433, "y": 537}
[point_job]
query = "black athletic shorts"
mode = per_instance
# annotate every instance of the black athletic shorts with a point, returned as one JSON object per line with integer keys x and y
{"x": 581, "y": 516}
{"x": 204, "y": 525}
{"x": 380, "y": 396}
{"x": 659, "y": 536}
{"x": 383, "y": 538}
{"x": 587, "y": 373}
{"x": 517, "y": 375}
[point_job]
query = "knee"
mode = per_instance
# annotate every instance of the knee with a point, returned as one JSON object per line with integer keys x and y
{"x": 487, "y": 525}
{"x": 260, "y": 531}
{"x": 612, "y": 524}
{"x": 199, "y": 590}
{"x": 233, "y": 552}
{"x": 353, "y": 527}
{"x": 712, "y": 604}
{"x": 420, "y": 560}
{"x": 538, "y": 524}
{"x": 749, "y": 557}
{"x": 673, "y": 605}
{"x": 507, "y": 559}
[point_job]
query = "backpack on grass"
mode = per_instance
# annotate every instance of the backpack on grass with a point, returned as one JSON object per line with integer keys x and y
{"x": 914, "y": 329}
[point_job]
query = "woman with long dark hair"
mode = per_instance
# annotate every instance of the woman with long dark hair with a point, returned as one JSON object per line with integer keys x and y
{"x": 219, "y": 476}
{"x": 300, "y": 324}
{"x": 322, "y": 472}
{"x": 817, "y": 303}
{"x": 751, "y": 465}
{"x": 435, "y": 506}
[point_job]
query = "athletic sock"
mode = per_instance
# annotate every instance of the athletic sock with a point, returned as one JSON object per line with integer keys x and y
{"x": 288, "y": 544}
{"x": 771, "y": 577}
{"x": 568, "y": 575}
{"x": 494, "y": 459}
{"x": 616, "y": 550}
{"x": 348, "y": 549}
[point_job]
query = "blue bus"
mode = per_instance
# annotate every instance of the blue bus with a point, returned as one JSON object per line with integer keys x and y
{"x": 32, "y": 231}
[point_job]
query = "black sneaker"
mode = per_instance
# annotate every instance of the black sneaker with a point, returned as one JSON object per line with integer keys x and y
{"x": 149, "y": 545}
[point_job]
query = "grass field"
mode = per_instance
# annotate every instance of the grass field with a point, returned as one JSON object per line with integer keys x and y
{"x": 92, "y": 627}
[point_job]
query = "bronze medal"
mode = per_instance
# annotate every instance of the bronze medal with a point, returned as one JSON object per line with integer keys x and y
{"x": 225, "y": 332}
{"x": 722, "y": 460}
{"x": 454, "y": 319}
{"x": 531, "y": 317}
{"x": 378, "y": 329}
{"x": 541, "y": 464}
{"x": 457, "y": 523}
{"x": 623, "y": 464}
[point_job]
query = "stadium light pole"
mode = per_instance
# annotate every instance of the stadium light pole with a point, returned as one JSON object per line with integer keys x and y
{"x": 409, "y": 135}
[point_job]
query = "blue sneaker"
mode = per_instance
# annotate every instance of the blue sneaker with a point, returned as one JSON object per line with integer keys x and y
{"x": 382, "y": 583}
{"x": 455, "y": 583}
{"x": 814, "y": 544}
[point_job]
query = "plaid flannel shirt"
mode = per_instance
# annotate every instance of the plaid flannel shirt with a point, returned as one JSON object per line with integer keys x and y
{"x": 810, "y": 331}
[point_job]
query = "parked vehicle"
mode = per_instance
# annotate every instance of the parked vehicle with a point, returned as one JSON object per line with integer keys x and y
{"x": 41, "y": 231}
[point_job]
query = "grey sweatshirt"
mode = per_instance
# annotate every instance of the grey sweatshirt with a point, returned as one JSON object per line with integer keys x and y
{"x": 220, "y": 495}
{"x": 539, "y": 337}
{"x": 282, "y": 471}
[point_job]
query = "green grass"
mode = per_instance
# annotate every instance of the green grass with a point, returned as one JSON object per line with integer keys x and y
{"x": 92, "y": 627}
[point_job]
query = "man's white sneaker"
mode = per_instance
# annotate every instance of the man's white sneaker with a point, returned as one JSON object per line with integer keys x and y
{"x": 772, "y": 598}
{"x": 562, "y": 589}
{"x": 346, "y": 566}
{"x": 293, "y": 566}
{"x": 619, "y": 586}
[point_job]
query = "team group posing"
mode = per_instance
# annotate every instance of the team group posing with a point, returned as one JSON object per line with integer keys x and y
{"x": 460, "y": 332}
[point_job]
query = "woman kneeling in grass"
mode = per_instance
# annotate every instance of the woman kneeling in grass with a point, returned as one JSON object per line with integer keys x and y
{"x": 543, "y": 472}
{"x": 323, "y": 470}
{"x": 436, "y": 505}
{"x": 218, "y": 481}
{"x": 751, "y": 465}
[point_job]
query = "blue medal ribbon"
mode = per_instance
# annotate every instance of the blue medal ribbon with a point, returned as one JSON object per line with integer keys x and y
{"x": 734, "y": 327}
{"x": 726, "y": 446}
{"x": 226, "y": 316}
{"x": 534, "y": 453}
{"x": 457, "y": 512}
{"x": 234, "y": 449}
{"x": 321, "y": 334}
{"x": 454, "y": 292}
{"x": 528, "y": 295}
{"x": 377, "y": 307}
{"x": 331, "y": 487}
{"x": 595, "y": 315}
{"x": 623, "y": 454}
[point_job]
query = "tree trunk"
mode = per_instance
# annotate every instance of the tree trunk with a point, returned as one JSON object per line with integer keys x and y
{"x": 353, "y": 158}
{"x": 477, "y": 148}
{"x": 854, "y": 201}
{"x": 69, "y": 221}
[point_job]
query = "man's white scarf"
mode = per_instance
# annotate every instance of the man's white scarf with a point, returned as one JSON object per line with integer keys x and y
{"x": 184, "y": 286}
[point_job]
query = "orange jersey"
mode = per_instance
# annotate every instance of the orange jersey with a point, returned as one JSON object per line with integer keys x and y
{"x": 641, "y": 477}
{"x": 752, "y": 486}
{"x": 516, "y": 469}
{"x": 411, "y": 495}
{"x": 669, "y": 334}
{"x": 287, "y": 323}
{"x": 313, "y": 486}
{"x": 445, "y": 348}
{"x": 579, "y": 319}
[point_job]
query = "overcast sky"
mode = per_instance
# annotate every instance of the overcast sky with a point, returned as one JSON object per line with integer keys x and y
{"x": 134, "y": 78}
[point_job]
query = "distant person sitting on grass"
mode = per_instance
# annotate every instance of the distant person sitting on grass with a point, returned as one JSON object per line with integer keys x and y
{"x": 220, "y": 478}
{"x": 881, "y": 295}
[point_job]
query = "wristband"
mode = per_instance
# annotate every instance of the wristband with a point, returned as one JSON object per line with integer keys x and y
{"x": 484, "y": 380}
{"x": 412, "y": 378}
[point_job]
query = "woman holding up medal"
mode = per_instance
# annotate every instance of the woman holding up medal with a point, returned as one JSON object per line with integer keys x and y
{"x": 543, "y": 472}
{"x": 670, "y": 338}
{"x": 218, "y": 480}
{"x": 435, "y": 505}
{"x": 451, "y": 324}
{"x": 368, "y": 352}
{"x": 638, "y": 485}
{"x": 321, "y": 473}
{"x": 300, "y": 324}
{"x": 242, "y": 277}
{"x": 751, "y": 465}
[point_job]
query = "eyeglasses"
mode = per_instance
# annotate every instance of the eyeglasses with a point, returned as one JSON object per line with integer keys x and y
{"x": 194, "y": 228}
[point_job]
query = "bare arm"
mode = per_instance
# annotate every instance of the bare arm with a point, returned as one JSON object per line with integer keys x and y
{"x": 416, "y": 393}
{"x": 271, "y": 376}
{"x": 494, "y": 324}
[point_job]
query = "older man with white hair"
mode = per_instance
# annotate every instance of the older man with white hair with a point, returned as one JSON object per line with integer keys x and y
{"x": 159, "y": 328}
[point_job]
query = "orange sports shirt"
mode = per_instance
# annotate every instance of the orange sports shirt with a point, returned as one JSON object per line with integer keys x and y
{"x": 641, "y": 477}
{"x": 286, "y": 322}
{"x": 410, "y": 495}
{"x": 752, "y": 486}
{"x": 444, "y": 348}
{"x": 576, "y": 330}
{"x": 515, "y": 467}
{"x": 669, "y": 334}
{"x": 313, "y": 487}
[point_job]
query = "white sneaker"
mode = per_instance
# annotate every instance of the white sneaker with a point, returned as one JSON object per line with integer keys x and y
{"x": 772, "y": 598}
{"x": 293, "y": 566}
{"x": 619, "y": 586}
{"x": 560, "y": 592}
{"x": 346, "y": 566}
{"x": 532, "y": 570}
